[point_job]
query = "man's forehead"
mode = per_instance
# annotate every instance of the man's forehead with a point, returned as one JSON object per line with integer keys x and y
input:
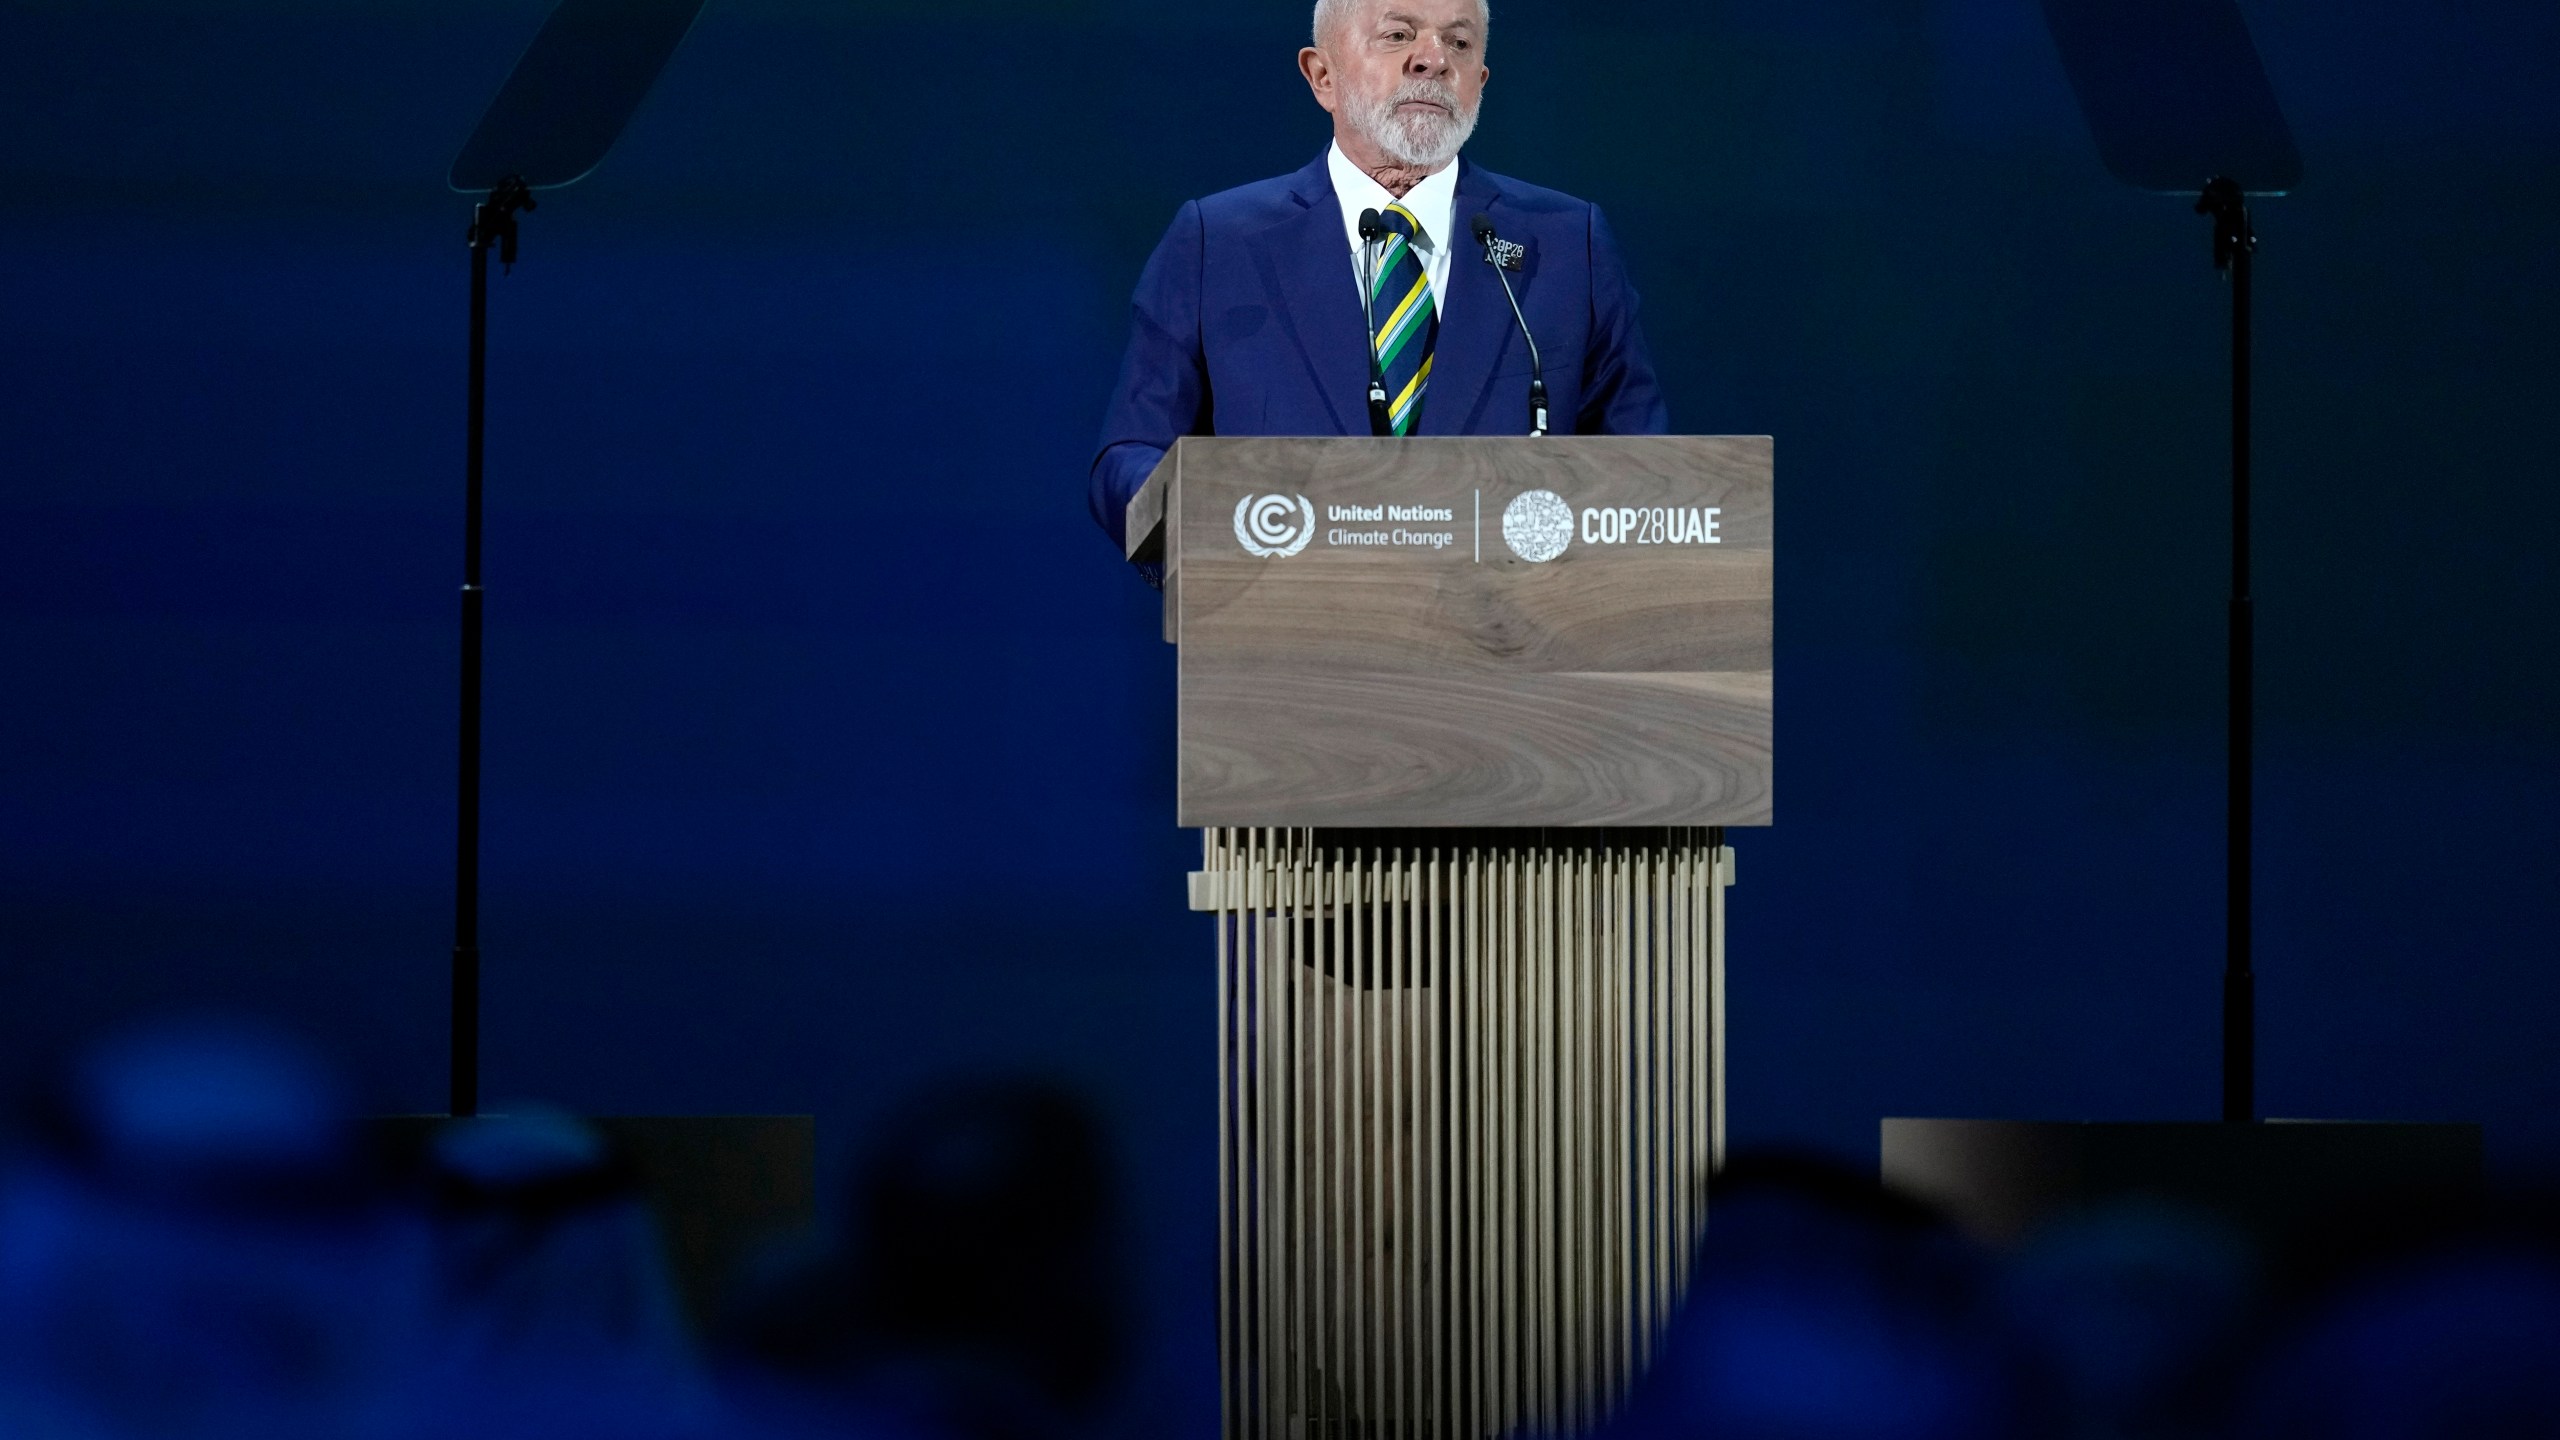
{"x": 1446, "y": 15}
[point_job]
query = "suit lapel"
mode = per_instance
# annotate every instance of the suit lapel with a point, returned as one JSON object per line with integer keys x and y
{"x": 1479, "y": 327}
{"x": 1305, "y": 266}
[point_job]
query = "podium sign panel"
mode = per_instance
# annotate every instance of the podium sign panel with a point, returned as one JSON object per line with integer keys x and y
{"x": 1470, "y": 632}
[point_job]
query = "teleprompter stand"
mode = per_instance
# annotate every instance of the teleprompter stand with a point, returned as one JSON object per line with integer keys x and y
{"x": 563, "y": 106}
{"x": 719, "y": 1183}
{"x": 2179, "y": 105}
{"x": 2235, "y": 246}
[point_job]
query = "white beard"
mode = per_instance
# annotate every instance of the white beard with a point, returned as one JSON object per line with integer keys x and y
{"x": 1423, "y": 139}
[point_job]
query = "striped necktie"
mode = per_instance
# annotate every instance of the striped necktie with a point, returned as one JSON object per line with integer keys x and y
{"x": 1407, "y": 323}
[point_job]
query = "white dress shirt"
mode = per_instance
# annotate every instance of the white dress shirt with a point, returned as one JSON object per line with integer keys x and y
{"x": 1433, "y": 204}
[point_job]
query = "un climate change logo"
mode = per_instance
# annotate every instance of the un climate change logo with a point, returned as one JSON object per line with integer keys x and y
{"x": 1537, "y": 526}
{"x": 1275, "y": 524}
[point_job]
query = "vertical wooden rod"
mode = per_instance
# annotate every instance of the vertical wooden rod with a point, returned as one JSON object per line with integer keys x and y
{"x": 1264, "y": 1213}
{"x": 1504, "y": 1356}
{"x": 1345, "y": 1146}
{"x": 1543, "y": 1050}
{"x": 1716, "y": 1013}
{"x": 1683, "y": 1060}
{"x": 1211, "y": 864}
{"x": 1570, "y": 939}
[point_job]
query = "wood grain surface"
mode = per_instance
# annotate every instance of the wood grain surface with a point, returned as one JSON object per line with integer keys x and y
{"x": 1457, "y": 683}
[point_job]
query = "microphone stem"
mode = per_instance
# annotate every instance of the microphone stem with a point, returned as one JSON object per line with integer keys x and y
{"x": 1537, "y": 368}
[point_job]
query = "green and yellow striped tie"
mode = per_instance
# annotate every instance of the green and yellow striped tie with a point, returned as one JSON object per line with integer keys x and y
{"x": 1406, "y": 321}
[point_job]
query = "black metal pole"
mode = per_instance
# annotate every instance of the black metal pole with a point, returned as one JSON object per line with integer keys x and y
{"x": 2234, "y": 248}
{"x": 492, "y": 223}
{"x": 465, "y": 1060}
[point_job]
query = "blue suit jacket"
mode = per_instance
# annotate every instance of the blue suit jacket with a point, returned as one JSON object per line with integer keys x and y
{"x": 1248, "y": 323}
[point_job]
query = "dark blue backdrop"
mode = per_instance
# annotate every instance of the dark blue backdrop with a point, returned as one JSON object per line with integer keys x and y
{"x": 829, "y": 743}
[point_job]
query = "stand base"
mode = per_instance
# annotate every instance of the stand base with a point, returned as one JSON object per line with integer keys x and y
{"x": 721, "y": 1184}
{"x": 2304, "y": 1191}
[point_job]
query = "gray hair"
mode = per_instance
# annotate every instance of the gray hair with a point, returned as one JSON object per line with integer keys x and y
{"x": 1330, "y": 13}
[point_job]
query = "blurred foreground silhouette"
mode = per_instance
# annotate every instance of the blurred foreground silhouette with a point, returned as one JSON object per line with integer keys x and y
{"x": 975, "y": 1291}
{"x": 199, "y": 1237}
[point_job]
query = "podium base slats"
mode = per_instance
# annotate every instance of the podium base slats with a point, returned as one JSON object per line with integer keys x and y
{"x": 1470, "y": 1088}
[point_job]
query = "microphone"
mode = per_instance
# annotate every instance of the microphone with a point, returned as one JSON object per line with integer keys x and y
{"x": 1482, "y": 225}
{"x": 1373, "y": 228}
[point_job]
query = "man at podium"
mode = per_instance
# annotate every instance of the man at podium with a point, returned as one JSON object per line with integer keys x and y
{"x": 1273, "y": 309}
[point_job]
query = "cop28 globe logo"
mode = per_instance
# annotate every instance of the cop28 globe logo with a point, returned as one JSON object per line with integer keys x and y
{"x": 1537, "y": 526}
{"x": 1275, "y": 524}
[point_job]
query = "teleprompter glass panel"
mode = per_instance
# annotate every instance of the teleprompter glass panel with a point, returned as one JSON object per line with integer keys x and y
{"x": 2175, "y": 94}
{"x": 576, "y": 87}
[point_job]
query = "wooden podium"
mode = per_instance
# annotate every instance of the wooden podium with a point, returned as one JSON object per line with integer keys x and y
{"x": 1462, "y": 722}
